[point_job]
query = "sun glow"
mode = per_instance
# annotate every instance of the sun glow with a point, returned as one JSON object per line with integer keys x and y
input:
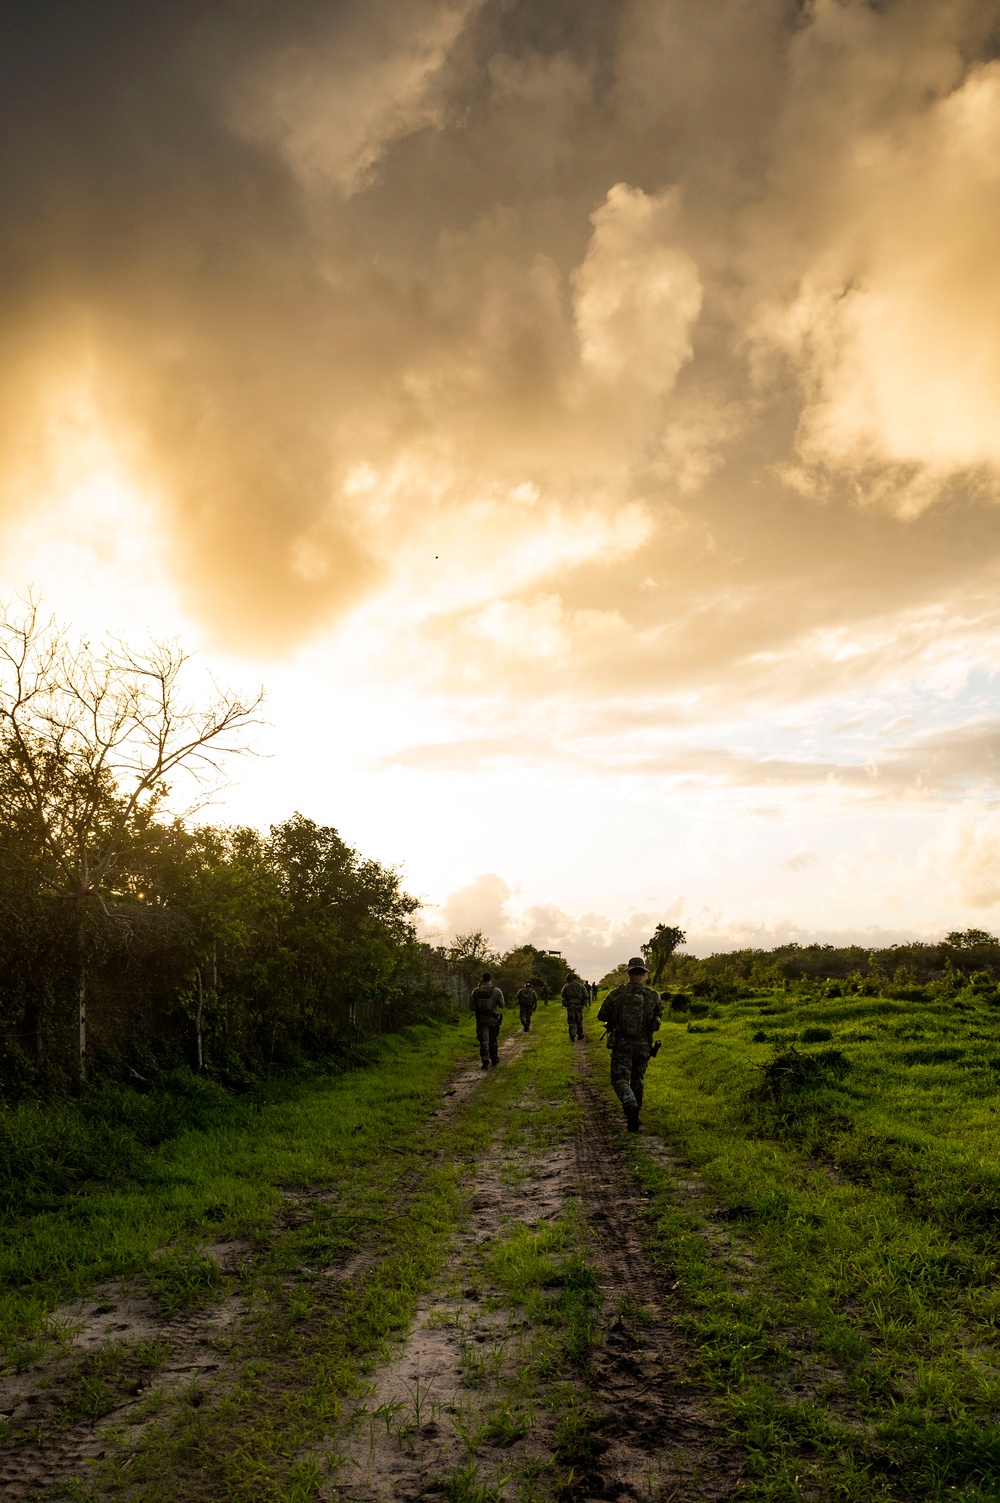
{"x": 603, "y": 482}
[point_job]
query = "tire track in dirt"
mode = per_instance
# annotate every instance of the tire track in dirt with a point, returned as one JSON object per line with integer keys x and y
{"x": 118, "y": 1322}
{"x": 658, "y": 1426}
{"x": 43, "y": 1456}
{"x": 655, "y": 1436}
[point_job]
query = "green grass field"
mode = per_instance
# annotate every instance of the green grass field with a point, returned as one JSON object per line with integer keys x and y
{"x": 840, "y": 1264}
{"x": 831, "y": 1241}
{"x": 94, "y": 1199}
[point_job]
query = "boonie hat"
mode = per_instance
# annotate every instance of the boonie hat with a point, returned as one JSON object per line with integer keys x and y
{"x": 635, "y": 964}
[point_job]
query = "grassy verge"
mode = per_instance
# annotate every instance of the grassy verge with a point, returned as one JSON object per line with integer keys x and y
{"x": 400, "y": 1183}
{"x": 223, "y": 1180}
{"x": 840, "y": 1269}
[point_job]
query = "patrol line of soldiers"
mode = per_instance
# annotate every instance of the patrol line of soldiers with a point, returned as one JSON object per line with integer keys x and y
{"x": 487, "y": 1004}
{"x": 631, "y": 1014}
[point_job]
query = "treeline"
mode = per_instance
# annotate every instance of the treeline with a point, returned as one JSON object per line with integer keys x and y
{"x": 469, "y": 955}
{"x": 134, "y": 943}
{"x": 216, "y": 949}
{"x": 965, "y": 961}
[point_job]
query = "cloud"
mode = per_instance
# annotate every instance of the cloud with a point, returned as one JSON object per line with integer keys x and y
{"x": 601, "y": 394}
{"x": 355, "y": 79}
{"x": 594, "y": 944}
{"x": 591, "y": 942}
{"x": 431, "y": 244}
{"x": 482, "y": 904}
{"x": 963, "y": 858}
{"x": 932, "y": 766}
{"x": 890, "y": 324}
{"x": 636, "y": 296}
{"x": 800, "y": 860}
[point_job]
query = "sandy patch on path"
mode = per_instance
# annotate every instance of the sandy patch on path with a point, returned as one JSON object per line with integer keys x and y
{"x": 43, "y": 1452}
{"x": 431, "y": 1399}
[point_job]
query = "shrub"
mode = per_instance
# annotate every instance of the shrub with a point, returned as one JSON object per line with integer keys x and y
{"x": 790, "y": 1072}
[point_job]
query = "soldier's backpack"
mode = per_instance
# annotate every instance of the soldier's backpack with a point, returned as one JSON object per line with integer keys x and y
{"x": 482, "y": 1000}
{"x": 631, "y": 1020}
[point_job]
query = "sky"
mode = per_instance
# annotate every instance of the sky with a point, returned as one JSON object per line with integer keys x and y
{"x": 583, "y": 418}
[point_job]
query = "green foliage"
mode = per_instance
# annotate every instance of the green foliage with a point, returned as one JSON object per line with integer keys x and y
{"x": 469, "y": 955}
{"x": 971, "y": 939}
{"x": 274, "y": 948}
{"x": 196, "y": 1164}
{"x": 527, "y": 962}
{"x": 617, "y": 977}
{"x": 852, "y": 1323}
{"x": 49, "y": 1149}
{"x": 183, "y": 1279}
{"x": 660, "y": 948}
{"x": 464, "y": 1486}
{"x": 790, "y": 1072}
{"x": 130, "y": 942}
{"x": 905, "y": 972}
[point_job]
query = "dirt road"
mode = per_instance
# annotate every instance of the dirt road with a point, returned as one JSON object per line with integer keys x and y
{"x": 548, "y": 1359}
{"x": 433, "y": 1424}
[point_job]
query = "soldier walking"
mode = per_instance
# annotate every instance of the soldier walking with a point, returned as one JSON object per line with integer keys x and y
{"x": 632, "y": 1014}
{"x": 574, "y": 995}
{"x": 487, "y": 1004}
{"x": 527, "y": 1001}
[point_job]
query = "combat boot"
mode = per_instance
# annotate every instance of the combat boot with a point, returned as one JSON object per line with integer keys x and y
{"x": 632, "y": 1118}
{"x": 486, "y": 1064}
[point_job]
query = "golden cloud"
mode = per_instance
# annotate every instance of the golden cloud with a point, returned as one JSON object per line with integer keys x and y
{"x": 636, "y": 345}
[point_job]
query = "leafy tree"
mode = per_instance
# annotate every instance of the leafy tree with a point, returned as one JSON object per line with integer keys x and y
{"x": 617, "y": 977}
{"x": 971, "y": 939}
{"x": 471, "y": 954}
{"x": 526, "y": 961}
{"x": 88, "y": 744}
{"x": 666, "y": 938}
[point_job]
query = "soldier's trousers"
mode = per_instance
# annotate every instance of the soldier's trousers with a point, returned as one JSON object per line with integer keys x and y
{"x": 629, "y": 1059}
{"x": 526, "y": 1018}
{"x": 488, "y": 1034}
{"x": 574, "y": 1017}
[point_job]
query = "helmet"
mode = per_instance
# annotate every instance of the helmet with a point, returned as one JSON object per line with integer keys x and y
{"x": 637, "y": 964}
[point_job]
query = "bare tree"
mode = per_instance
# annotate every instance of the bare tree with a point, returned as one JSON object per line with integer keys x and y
{"x": 92, "y": 742}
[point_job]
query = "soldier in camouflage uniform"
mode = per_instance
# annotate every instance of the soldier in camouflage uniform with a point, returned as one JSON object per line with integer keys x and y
{"x": 527, "y": 1001}
{"x": 487, "y": 1004}
{"x": 632, "y": 1013}
{"x": 574, "y": 995}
